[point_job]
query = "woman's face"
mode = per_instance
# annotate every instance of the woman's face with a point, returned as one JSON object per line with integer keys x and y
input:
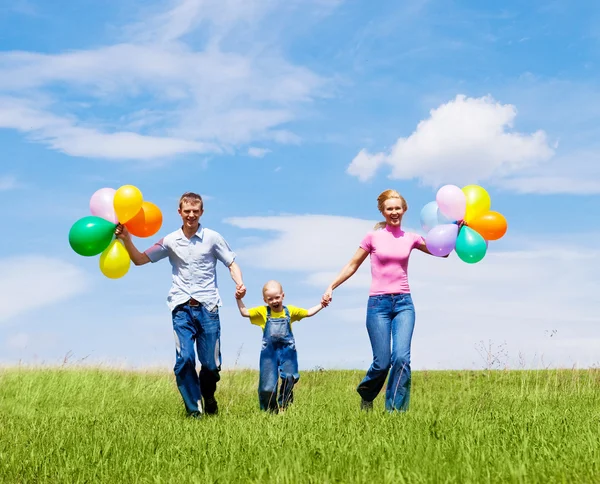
{"x": 393, "y": 209}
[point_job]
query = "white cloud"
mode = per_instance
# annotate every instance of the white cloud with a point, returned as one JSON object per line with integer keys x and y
{"x": 18, "y": 341}
{"x": 62, "y": 135}
{"x": 511, "y": 297}
{"x": 577, "y": 172}
{"x": 8, "y": 182}
{"x": 24, "y": 7}
{"x": 28, "y": 283}
{"x": 258, "y": 152}
{"x": 318, "y": 248}
{"x": 463, "y": 141}
{"x": 233, "y": 89}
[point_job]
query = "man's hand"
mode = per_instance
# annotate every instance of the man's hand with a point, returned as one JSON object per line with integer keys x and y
{"x": 327, "y": 297}
{"x": 122, "y": 233}
{"x": 240, "y": 291}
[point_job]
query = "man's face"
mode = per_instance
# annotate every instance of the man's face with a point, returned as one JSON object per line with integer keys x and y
{"x": 190, "y": 213}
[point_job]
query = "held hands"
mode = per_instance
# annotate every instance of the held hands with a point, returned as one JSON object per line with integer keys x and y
{"x": 240, "y": 291}
{"x": 327, "y": 297}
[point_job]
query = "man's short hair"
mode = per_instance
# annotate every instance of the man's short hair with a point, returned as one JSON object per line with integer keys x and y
{"x": 191, "y": 197}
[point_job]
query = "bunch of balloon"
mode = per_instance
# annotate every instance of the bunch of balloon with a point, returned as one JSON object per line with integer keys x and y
{"x": 461, "y": 220}
{"x": 93, "y": 235}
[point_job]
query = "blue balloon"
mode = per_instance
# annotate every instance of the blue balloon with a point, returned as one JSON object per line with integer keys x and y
{"x": 432, "y": 217}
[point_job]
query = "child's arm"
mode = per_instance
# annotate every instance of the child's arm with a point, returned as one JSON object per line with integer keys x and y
{"x": 315, "y": 309}
{"x": 243, "y": 309}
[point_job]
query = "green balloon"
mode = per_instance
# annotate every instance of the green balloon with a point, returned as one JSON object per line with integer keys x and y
{"x": 91, "y": 235}
{"x": 470, "y": 246}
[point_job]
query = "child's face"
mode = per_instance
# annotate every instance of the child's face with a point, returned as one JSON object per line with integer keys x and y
{"x": 274, "y": 298}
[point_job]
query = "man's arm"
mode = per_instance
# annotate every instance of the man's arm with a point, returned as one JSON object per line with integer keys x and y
{"x": 137, "y": 257}
{"x": 236, "y": 275}
{"x": 243, "y": 309}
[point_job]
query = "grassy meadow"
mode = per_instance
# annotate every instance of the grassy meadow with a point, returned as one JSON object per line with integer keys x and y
{"x": 74, "y": 425}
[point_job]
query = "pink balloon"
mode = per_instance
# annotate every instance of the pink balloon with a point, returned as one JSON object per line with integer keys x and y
{"x": 101, "y": 204}
{"x": 440, "y": 240}
{"x": 452, "y": 202}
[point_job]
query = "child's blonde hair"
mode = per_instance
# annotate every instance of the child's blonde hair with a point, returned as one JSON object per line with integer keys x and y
{"x": 381, "y": 199}
{"x": 272, "y": 283}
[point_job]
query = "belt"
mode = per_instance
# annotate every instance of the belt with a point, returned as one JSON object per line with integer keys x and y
{"x": 193, "y": 303}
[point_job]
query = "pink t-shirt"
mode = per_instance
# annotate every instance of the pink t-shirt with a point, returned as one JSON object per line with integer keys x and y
{"x": 390, "y": 248}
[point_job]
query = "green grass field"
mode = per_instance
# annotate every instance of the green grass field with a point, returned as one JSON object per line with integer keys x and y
{"x": 98, "y": 425}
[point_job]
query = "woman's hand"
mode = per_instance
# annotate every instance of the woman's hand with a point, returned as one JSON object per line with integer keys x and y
{"x": 327, "y": 297}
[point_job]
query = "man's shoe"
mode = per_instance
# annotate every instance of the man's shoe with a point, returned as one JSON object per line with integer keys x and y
{"x": 366, "y": 405}
{"x": 195, "y": 415}
{"x": 210, "y": 406}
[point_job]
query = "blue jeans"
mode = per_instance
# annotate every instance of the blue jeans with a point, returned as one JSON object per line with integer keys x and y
{"x": 199, "y": 326}
{"x": 390, "y": 324}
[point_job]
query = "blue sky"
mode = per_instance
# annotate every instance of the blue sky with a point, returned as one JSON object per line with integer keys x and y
{"x": 290, "y": 118}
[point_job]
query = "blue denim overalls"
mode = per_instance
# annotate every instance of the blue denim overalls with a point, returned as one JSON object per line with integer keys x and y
{"x": 278, "y": 358}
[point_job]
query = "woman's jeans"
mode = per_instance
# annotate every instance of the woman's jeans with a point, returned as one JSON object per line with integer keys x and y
{"x": 390, "y": 324}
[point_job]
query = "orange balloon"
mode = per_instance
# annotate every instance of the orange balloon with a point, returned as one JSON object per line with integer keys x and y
{"x": 146, "y": 222}
{"x": 490, "y": 225}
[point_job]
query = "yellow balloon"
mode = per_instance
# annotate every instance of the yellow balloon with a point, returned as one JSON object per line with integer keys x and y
{"x": 115, "y": 260}
{"x": 127, "y": 202}
{"x": 478, "y": 201}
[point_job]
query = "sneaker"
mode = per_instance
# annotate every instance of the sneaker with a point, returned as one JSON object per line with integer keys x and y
{"x": 195, "y": 415}
{"x": 210, "y": 406}
{"x": 366, "y": 405}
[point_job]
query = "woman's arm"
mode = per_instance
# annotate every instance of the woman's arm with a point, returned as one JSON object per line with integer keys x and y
{"x": 346, "y": 273}
{"x": 423, "y": 248}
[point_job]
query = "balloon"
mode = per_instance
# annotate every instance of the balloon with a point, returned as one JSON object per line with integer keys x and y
{"x": 440, "y": 240}
{"x": 432, "y": 217}
{"x": 478, "y": 202}
{"x": 147, "y": 221}
{"x": 470, "y": 246}
{"x": 101, "y": 204}
{"x": 91, "y": 235}
{"x": 115, "y": 260}
{"x": 451, "y": 201}
{"x": 490, "y": 225}
{"x": 127, "y": 202}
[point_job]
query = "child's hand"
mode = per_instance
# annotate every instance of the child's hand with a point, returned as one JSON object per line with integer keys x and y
{"x": 240, "y": 291}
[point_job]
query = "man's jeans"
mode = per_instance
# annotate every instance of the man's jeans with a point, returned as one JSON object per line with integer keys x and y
{"x": 390, "y": 323}
{"x": 200, "y": 326}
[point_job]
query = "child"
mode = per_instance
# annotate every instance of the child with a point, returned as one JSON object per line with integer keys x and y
{"x": 278, "y": 357}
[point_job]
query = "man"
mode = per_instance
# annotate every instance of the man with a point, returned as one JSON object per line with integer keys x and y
{"x": 194, "y": 299}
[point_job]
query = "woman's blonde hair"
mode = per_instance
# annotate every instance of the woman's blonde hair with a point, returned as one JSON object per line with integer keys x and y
{"x": 381, "y": 199}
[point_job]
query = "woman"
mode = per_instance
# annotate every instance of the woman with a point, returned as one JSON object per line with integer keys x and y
{"x": 390, "y": 311}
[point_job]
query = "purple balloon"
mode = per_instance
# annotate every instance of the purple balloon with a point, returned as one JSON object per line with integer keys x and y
{"x": 441, "y": 239}
{"x": 101, "y": 204}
